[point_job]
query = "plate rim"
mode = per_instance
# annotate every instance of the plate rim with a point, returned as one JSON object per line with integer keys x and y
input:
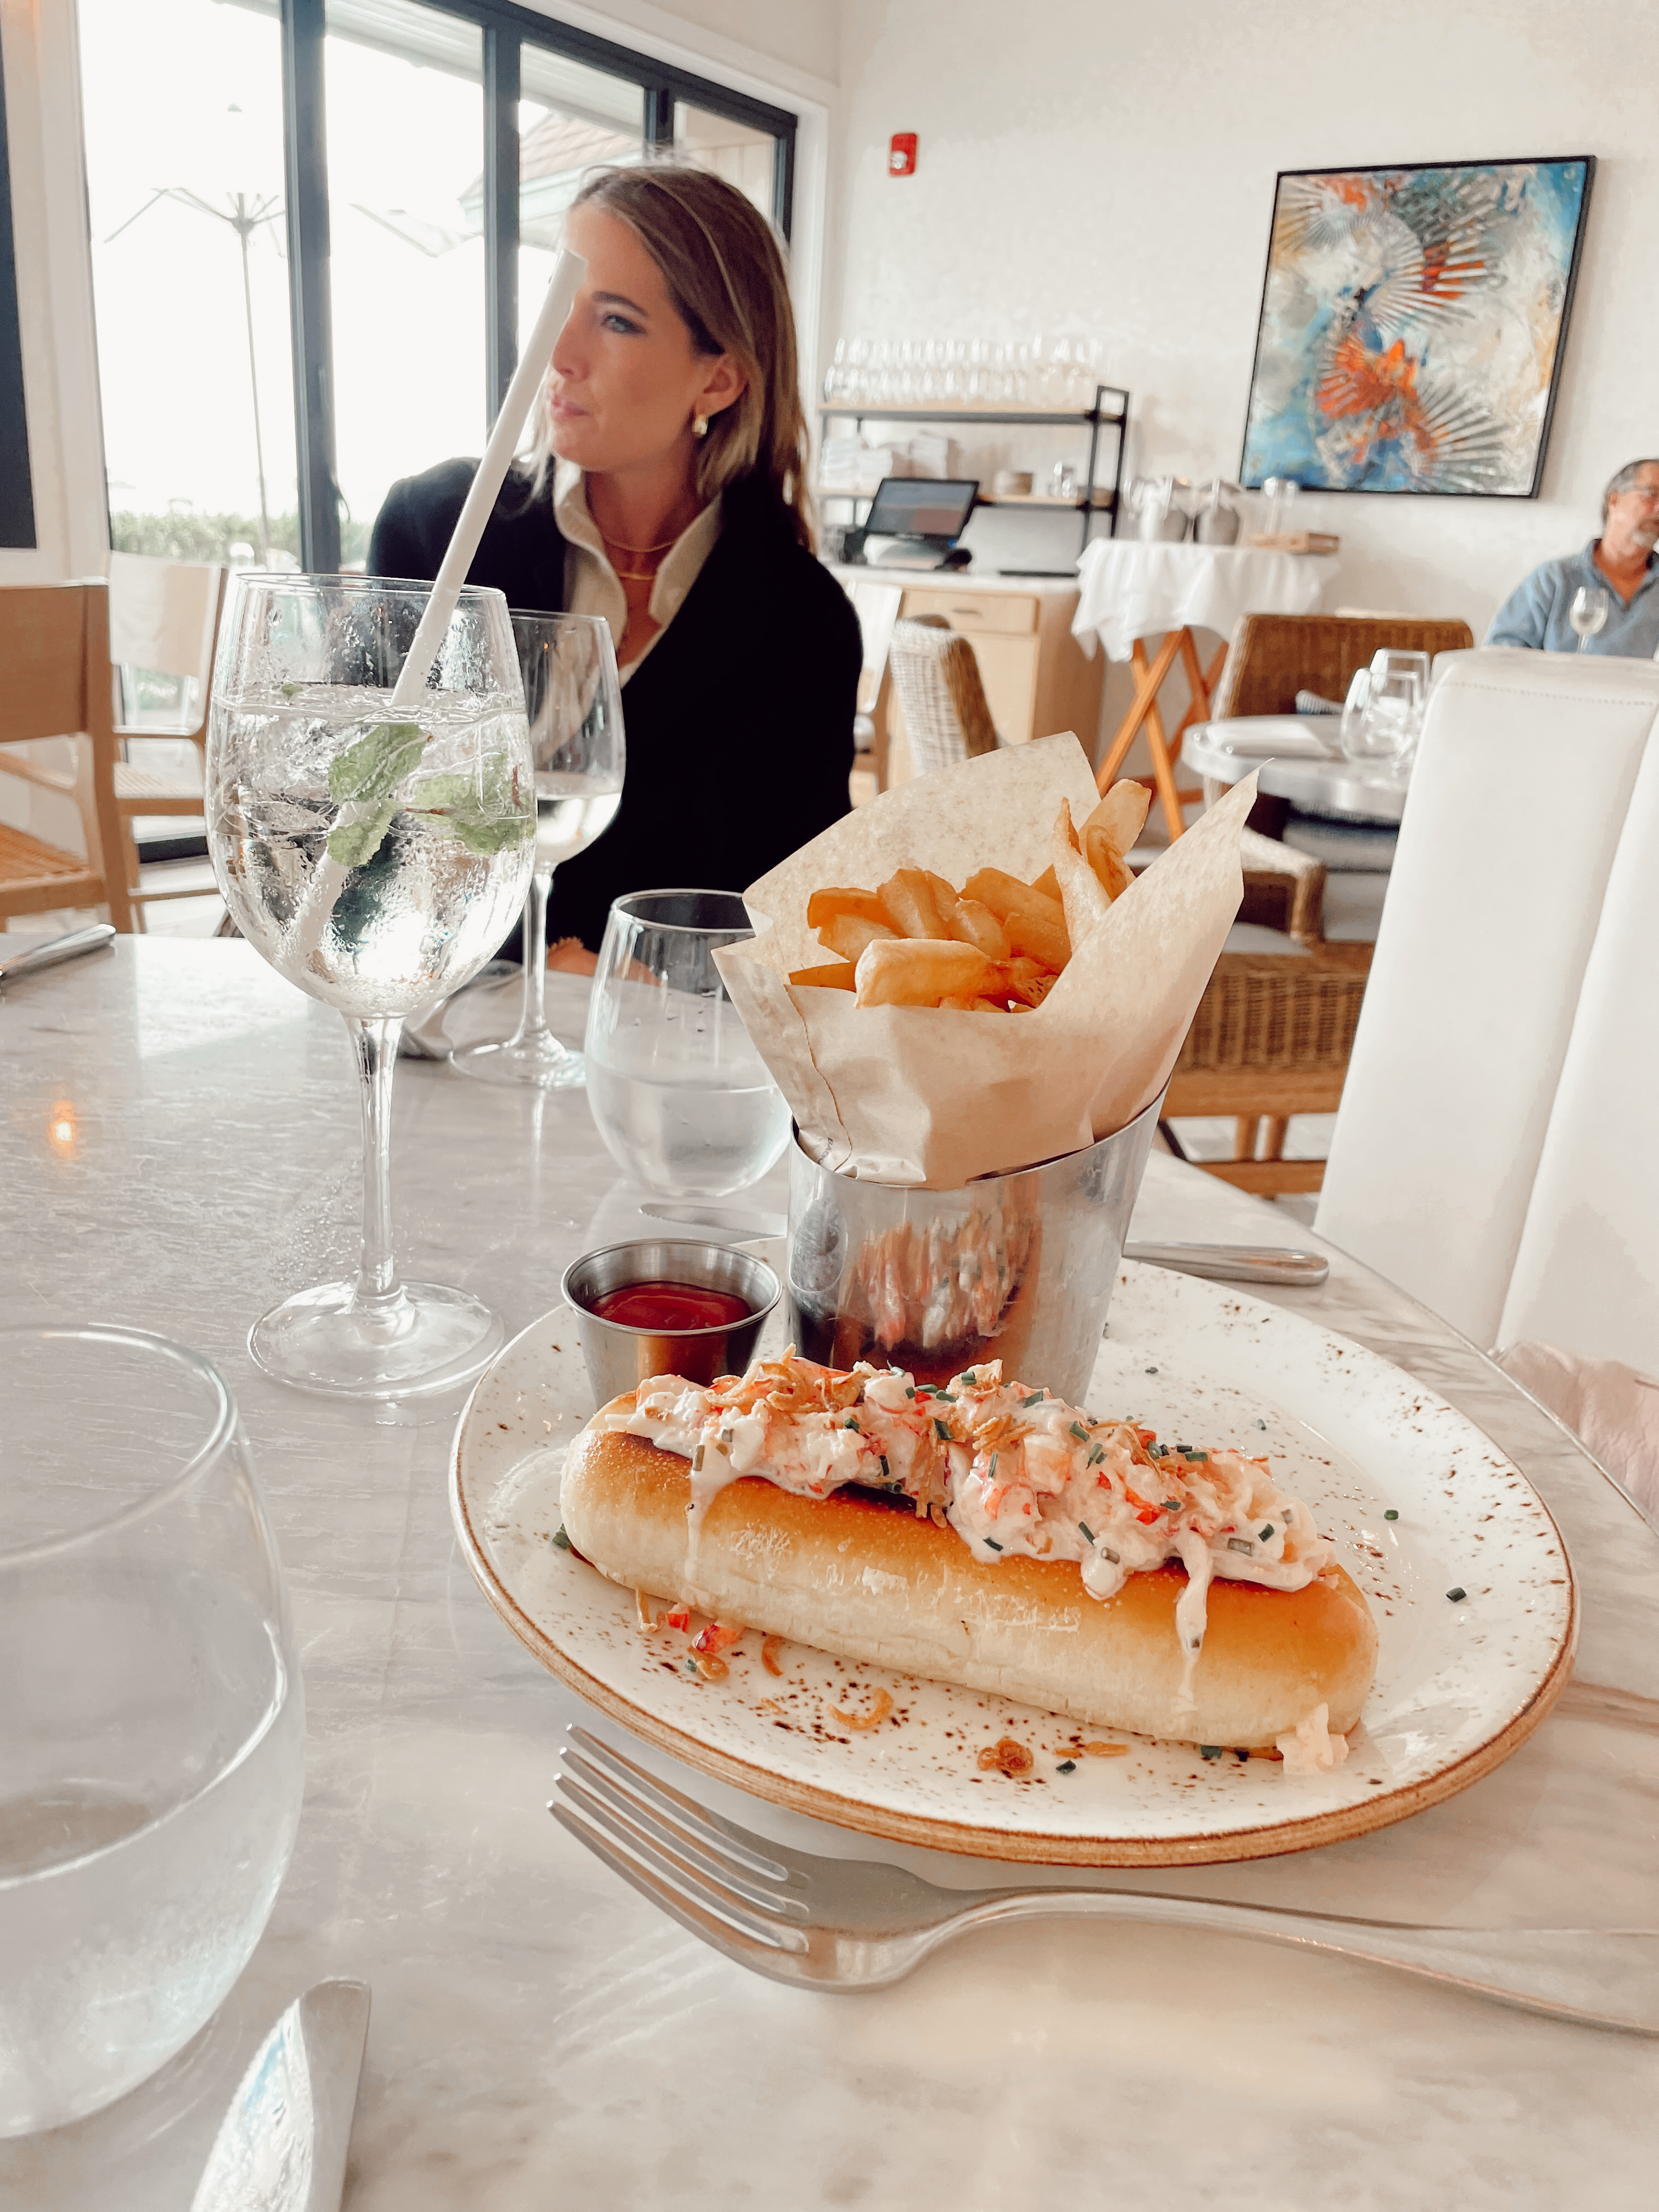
{"x": 1305, "y": 1831}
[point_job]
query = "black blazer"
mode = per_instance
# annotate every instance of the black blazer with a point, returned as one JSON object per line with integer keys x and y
{"x": 739, "y": 722}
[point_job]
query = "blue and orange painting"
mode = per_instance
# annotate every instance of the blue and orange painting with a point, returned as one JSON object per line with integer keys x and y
{"x": 1411, "y": 326}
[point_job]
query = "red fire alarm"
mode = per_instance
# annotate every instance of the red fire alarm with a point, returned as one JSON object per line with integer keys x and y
{"x": 901, "y": 155}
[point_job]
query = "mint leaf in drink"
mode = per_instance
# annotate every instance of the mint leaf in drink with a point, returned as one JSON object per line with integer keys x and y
{"x": 371, "y": 770}
{"x": 485, "y": 812}
{"x": 497, "y": 834}
{"x": 353, "y": 844}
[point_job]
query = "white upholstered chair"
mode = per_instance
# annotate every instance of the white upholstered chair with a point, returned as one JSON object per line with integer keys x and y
{"x": 1496, "y": 1150}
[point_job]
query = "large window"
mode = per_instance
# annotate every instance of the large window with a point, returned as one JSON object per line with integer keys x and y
{"x": 320, "y": 228}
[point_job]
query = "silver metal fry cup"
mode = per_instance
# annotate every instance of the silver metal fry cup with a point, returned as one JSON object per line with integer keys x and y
{"x": 619, "y": 1358}
{"x": 1017, "y": 1268}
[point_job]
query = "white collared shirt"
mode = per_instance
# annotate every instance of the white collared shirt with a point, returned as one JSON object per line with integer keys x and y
{"x": 591, "y": 586}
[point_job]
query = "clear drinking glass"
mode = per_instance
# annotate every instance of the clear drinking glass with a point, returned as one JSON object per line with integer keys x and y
{"x": 1588, "y": 613}
{"x": 376, "y": 859}
{"x": 1381, "y": 728}
{"x": 679, "y": 1094}
{"x": 574, "y": 703}
{"x": 152, "y": 1729}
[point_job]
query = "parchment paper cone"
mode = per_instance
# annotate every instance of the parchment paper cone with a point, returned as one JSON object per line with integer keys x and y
{"x": 918, "y": 1094}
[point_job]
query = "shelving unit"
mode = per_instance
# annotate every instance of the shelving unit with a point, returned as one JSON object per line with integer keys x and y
{"x": 1095, "y": 498}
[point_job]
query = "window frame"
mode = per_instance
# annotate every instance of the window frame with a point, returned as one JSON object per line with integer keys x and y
{"x": 507, "y": 30}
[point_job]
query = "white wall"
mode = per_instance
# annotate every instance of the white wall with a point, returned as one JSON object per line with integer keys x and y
{"x": 1110, "y": 164}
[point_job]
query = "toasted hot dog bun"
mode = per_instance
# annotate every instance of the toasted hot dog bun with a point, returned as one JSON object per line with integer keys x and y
{"x": 852, "y": 1575}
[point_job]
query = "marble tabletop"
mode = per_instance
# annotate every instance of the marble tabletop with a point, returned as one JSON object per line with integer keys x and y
{"x": 178, "y": 1146}
{"x": 1228, "y": 751}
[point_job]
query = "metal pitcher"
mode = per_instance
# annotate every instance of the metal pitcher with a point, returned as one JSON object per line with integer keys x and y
{"x": 1017, "y": 1268}
{"x": 1216, "y": 521}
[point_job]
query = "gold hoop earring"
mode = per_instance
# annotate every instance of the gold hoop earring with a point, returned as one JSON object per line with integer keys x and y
{"x": 699, "y": 426}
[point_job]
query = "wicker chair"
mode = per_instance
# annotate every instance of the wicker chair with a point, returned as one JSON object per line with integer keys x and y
{"x": 1272, "y": 657}
{"x": 1273, "y": 1032}
{"x": 937, "y": 683}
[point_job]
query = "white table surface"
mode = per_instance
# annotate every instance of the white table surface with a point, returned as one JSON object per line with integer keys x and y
{"x": 541, "y": 2037}
{"x": 1337, "y": 788}
{"x": 1135, "y": 587}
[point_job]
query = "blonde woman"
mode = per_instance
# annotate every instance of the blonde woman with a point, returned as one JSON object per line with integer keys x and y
{"x": 667, "y": 492}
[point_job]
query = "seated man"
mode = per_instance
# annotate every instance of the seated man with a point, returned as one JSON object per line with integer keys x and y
{"x": 1620, "y": 562}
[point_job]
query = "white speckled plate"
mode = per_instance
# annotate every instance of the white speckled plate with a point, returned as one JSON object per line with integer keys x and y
{"x": 1458, "y": 1686}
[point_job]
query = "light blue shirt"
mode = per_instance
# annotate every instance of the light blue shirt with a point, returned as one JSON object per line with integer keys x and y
{"x": 1535, "y": 612}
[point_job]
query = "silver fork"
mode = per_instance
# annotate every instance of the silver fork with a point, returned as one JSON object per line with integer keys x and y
{"x": 828, "y": 1924}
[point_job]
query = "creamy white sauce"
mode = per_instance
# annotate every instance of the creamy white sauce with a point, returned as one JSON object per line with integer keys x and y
{"x": 1017, "y": 1473}
{"x": 1310, "y": 1748}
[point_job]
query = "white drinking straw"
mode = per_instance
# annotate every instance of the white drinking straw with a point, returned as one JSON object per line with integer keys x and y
{"x": 328, "y": 876}
{"x": 568, "y": 273}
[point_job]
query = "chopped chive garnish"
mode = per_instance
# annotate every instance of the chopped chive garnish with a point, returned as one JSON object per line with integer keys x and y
{"x": 1262, "y": 1534}
{"x": 1391, "y": 1515}
{"x": 968, "y": 1375}
{"x": 1079, "y": 1432}
{"x": 1035, "y": 1398}
{"x": 1067, "y": 1767}
{"x": 909, "y": 1392}
{"x": 992, "y": 1466}
{"x": 1261, "y": 1424}
{"x": 1172, "y": 1505}
{"x": 1151, "y": 1370}
{"x": 1107, "y": 1553}
{"x": 1158, "y": 1451}
{"x": 885, "y": 1469}
{"x": 1458, "y": 1594}
{"x": 1243, "y": 1755}
{"x": 696, "y": 1460}
{"x": 852, "y": 1423}
{"x": 1211, "y": 1750}
{"x": 942, "y": 1431}
{"x": 561, "y": 1540}
{"x": 1088, "y": 1533}
{"x": 1240, "y": 1544}
{"x": 991, "y": 1544}
{"x": 1096, "y": 1456}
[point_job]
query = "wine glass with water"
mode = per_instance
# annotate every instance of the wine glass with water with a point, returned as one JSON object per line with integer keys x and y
{"x": 375, "y": 857}
{"x": 678, "y": 1092}
{"x": 575, "y": 704}
{"x": 1589, "y": 614}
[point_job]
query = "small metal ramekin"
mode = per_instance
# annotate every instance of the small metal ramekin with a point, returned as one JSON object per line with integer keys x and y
{"x": 620, "y": 1358}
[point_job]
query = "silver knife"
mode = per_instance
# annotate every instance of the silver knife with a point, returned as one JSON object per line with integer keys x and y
{"x": 1220, "y": 1263}
{"x": 281, "y": 2144}
{"x": 90, "y": 939}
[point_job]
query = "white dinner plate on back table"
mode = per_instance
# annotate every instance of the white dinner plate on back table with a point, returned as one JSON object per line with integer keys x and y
{"x": 1420, "y": 1502}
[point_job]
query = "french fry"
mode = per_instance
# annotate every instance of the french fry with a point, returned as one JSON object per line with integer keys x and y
{"x": 1122, "y": 814}
{"x": 1028, "y": 980}
{"x": 1039, "y": 936}
{"x": 1086, "y": 899}
{"x": 920, "y": 972}
{"x": 824, "y": 906}
{"x": 909, "y": 906}
{"x": 849, "y": 933}
{"x": 1047, "y": 884}
{"x": 970, "y": 923}
{"x": 1110, "y": 869}
{"x": 835, "y": 975}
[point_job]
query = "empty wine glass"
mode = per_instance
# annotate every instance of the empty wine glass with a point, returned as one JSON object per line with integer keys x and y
{"x": 1588, "y": 613}
{"x": 678, "y": 1092}
{"x": 375, "y": 857}
{"x": 1381, "y": 720}
{"x": 152, "y": 1732}
{"x": 574, "y": 702}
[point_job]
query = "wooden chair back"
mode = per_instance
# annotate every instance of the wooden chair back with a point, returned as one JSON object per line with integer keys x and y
{"x": 1272, "y": 657}
{"x": 937, "y": 679}
{"x": 54, "y": 652}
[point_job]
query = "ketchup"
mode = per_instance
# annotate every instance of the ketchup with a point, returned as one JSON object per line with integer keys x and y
{"x": 663, "y": 1307}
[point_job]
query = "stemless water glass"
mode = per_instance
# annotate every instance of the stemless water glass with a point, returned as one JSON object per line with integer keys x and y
{"x": 375, "y": 858}
{"x": 1381, "y": 725}
{"x": 679, "y": 1094}
{"x": 1588, "y": 613}
{"x": 575, "y": 704}
{"x": 152, "y": 1729}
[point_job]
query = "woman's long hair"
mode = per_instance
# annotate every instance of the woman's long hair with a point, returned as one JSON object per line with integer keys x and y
{"x": 725, "y": 277}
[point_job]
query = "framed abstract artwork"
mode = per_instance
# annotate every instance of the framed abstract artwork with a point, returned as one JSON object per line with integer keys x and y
{"x": 1411, "y": 327}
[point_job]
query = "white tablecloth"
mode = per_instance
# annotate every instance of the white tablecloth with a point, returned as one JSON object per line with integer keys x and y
{"x": 1133, "y": 589}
